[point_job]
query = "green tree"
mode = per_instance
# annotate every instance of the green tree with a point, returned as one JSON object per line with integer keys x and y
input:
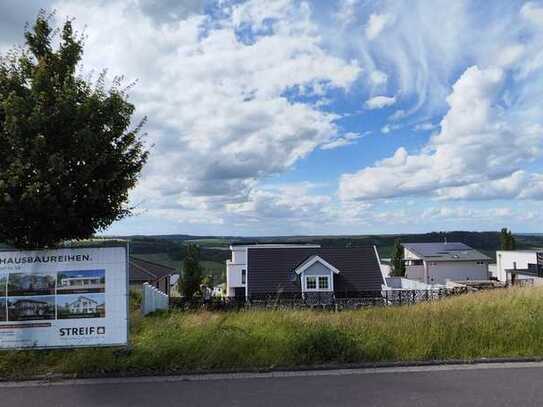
{"x": 507, "y": 240}
{"x": 398, "y": 265}
{"x": 191, "y": 277}
{"x": 68, "y": 153}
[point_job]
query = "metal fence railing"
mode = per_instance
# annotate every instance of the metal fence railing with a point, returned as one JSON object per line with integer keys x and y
{"x": 337, "y": 301}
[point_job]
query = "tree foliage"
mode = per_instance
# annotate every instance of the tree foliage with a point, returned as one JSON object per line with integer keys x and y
{"x": 68, "y": 154}
{"x": 507, "y": 241}
{"x": 191, "y": 278}
{"x": 398, "y": 265}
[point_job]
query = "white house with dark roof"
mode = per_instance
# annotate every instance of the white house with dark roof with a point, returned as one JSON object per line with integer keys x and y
{"x": 262, "y": 270}
{"x": 437, "y": 263}
{"x": 514, "y": 266}
{"x": 236, "y": 266}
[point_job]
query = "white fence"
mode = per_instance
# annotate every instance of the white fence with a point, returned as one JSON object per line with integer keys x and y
{"x": 153, "y": 299}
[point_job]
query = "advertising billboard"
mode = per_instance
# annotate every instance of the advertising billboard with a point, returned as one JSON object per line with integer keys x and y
{"x": 64, "y": 298}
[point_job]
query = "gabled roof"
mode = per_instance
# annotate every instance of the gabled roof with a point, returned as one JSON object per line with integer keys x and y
{"x": 312, "y": 260}
{"x": 273, "y": 270}
{"x": 276, "y": 245}
{"x": 143, "y": 270}
{"x": 29, "y": 300}
{"x": 81, "y": 297}
{"x": 445, "y": 251}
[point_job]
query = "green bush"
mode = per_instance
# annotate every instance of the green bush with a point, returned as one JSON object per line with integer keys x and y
{"x": 135, "y": 299}
{"x": 321, "y": 344}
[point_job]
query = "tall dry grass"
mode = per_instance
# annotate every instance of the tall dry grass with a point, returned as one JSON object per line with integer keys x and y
{"x": 501, "y": 323}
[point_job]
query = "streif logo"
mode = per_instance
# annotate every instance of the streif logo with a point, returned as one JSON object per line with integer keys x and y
{"x": 83, "y": 331}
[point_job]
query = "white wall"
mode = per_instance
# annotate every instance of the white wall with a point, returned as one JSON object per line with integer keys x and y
{"x": 536, "y": 280}
{"x": 386, "y": 269}
{"x": 408, "y": 255}
{"x": 406, "y": 284}
{"x": 234, "y": 267}
{"x": 492, "y": 270}
{"x": 239, "y": 255}
{"x": 441, "y": 271}
{"x": 153, "y": 299}
{"x": 507, "y": 259}
{"x": 233, "y": 275}
{"x": 414, "y": 273}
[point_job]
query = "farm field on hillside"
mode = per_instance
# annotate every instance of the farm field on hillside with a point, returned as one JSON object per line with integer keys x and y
{"x": 210, "y": 268}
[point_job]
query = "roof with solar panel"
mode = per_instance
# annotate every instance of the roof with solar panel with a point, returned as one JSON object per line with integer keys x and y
{"x": 445, "y": 251}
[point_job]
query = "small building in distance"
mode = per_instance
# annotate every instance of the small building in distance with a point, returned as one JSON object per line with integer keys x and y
{"x": 517, "y": 266}
{"x": 437, "y": 263}
{"x": 144, "y": 271}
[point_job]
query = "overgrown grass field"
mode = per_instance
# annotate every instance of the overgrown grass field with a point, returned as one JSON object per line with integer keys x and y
{"x": 501, "y": 323}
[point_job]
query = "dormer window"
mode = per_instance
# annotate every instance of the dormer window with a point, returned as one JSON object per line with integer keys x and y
{"x": 317, "y": 283}
{"x": 324, "y": 282}
{"x": 311, "y": 283}
{"x": 316, "y": 274}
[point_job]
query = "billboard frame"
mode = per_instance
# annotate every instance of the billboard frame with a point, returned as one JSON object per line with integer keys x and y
{"x": 117, "y": 243}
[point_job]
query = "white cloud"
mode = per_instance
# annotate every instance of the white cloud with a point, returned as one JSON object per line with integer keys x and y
{"x": 533, "y": 12}
{"x": 509, "y": 55}
{"x": 294, "y": 201}
{"x": 427, "y": 126}
{"x": 376, "y": 24}
{"x": 240, "y": 95}
{"x": 346, "y": 13}
{"x": 479, "y": 142}
{"x": 465, "y": 214}
{"x": 216, "y": 102}
{"x": 347, "y": 139}
{"x": 387, "y": 128}
{"x": 421, "y": 48}
{"x": 378, "y": 78}
{"x": 378, "y": 102}
{"x": 519, "y": 185}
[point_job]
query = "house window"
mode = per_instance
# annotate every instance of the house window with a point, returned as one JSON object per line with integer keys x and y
{"x": 323, "y": 283}
{"x": 243, "y": 276}
{"x": 316, "y": 283}
{"x": 311, "y": 283}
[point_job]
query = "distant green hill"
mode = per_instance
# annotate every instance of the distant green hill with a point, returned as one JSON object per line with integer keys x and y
{"x": 170, "y": 249}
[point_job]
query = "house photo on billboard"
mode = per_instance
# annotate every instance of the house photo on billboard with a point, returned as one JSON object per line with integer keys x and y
{"x": 31, "y": 308}
{"x": 81, "y": 306}
{"x": 81, "y": 281}
{"x": 31, "y": 284}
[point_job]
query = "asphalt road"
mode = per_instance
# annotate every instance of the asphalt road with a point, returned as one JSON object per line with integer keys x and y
{"x": 467, "y": 386}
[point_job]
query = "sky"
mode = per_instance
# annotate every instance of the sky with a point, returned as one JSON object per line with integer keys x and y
{"x": 286, "y": 117}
